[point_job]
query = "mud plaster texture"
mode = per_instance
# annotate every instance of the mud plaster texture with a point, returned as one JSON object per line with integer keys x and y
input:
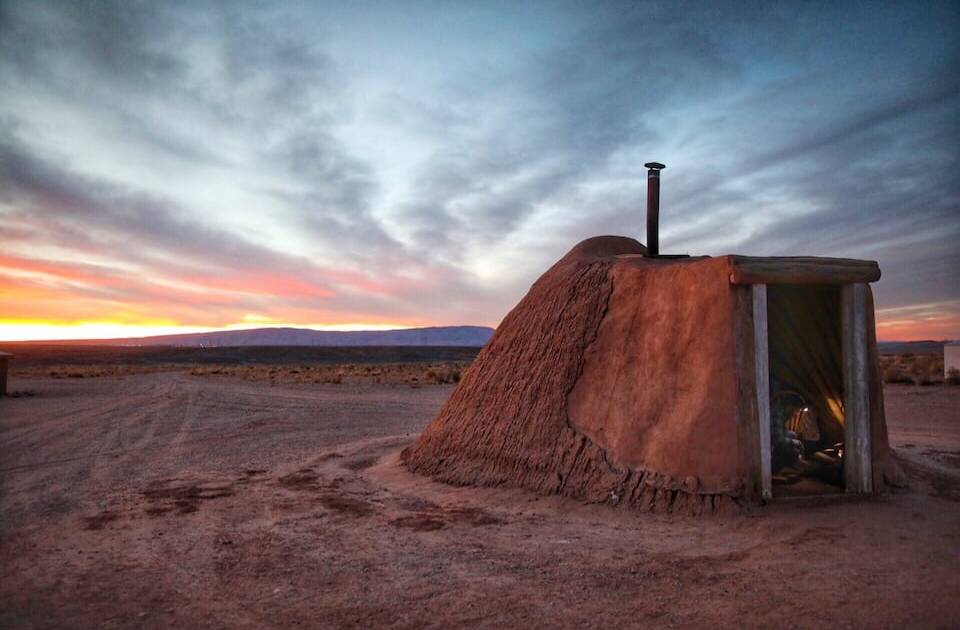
{"x": 614, "y": 380}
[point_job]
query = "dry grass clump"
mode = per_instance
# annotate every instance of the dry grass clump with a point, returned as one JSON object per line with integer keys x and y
{"x": 953, "y": 376}
{"x": 414, "y": 374}
{"x": 912, "y": 369}
{"x": 445, "y": 374}
{"x": 92, "y": 371}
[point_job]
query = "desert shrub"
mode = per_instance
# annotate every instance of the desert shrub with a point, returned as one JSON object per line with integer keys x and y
{"x": 413, "y": 373}
{"x": 894, "y": 374}
{"x": 443, "y": 374}
{"x": 953, "y": 377}
{"x": 929, "y": 370}
{"x": 909, "y": 368}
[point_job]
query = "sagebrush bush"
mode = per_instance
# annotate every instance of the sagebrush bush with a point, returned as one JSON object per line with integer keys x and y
{"x": 912, "y": 369}
{"x": 953, "y": 376}
{"x": 895, "y": 374}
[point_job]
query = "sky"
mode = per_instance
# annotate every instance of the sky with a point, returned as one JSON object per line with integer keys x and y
{"x": 180, "y": 166}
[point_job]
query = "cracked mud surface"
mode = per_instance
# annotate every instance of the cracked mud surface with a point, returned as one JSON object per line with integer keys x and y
{"x": 163, "y": 499}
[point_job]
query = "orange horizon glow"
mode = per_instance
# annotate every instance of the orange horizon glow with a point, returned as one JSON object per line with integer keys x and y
{"x": 93, "y": 330}
{"x": 919, "y": 322}
{"x": 58, "y": 300}
{"x": 893, "y": 328}
{"x": 43, "y": 300}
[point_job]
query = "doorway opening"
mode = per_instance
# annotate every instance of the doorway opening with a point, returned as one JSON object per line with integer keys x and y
{"x": 806, "y": 389}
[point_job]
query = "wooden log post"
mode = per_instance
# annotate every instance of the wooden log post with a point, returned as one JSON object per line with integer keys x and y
{"x": 858, "y": 471}
{"x": 748, "y": 427}
{"x": 762, "y": 379}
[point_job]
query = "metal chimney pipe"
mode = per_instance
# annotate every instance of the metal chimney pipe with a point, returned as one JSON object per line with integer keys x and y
{"x": 653, "y": 207}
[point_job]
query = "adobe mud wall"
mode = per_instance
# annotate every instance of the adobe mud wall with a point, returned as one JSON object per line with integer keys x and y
{"x": 619, "y": 379}
{"x": 509, "y": 420}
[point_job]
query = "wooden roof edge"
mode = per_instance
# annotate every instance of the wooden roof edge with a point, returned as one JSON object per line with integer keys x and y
{"x": 801, "y": 270}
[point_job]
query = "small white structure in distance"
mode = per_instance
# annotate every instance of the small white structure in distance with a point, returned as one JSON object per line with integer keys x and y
{"x": 951, "y": 358}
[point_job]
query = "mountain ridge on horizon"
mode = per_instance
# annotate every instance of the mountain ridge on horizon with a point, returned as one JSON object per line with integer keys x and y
{"x": 292, "y": 336}
{"x": 467, "y": 336}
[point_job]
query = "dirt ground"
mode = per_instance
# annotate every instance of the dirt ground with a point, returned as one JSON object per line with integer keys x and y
{"x": 171, "y": 499}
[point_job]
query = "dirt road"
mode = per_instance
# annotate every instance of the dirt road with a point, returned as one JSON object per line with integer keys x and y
{"x": 170, "y": 500}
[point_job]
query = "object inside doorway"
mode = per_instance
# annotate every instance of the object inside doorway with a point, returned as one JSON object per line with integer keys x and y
{"x": 806, "y": 390}
{"x": 800, "y": 456}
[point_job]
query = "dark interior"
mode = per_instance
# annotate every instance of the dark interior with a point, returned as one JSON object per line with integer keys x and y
{"x": 806, "y": 389}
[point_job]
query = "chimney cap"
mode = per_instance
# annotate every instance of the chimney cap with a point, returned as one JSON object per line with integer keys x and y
{"x": 656, "y": 165}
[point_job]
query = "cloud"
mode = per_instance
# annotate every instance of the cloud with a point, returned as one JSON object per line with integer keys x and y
{"x": 310, "y": 161}
{"x": 152, "y": 241}
{"x": 551, "y": 123}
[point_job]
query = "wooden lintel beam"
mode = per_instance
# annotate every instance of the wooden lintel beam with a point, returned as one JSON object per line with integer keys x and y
{"x": 802, "y": 270}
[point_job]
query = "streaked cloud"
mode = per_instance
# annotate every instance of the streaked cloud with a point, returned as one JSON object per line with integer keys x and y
{"x": 199, "y": 164}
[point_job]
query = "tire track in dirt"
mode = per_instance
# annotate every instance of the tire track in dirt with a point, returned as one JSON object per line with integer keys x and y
{"x": 273, "y": 513}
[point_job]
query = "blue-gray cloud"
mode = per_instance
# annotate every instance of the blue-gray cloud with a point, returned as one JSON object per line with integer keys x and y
{"x": 462, "y": 148}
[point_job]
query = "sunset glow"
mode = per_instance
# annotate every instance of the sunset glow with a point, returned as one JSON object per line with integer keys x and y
{"x": 170, "y": 168}
{"x": 45, "y": 331}
{"x": 922, "y": 321}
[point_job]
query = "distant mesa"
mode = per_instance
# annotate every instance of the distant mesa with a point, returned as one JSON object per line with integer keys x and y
{"x": 914, "y": 347}
{"x": 473, "y": 336}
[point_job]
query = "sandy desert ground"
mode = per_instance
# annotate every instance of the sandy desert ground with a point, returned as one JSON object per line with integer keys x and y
{"x": 171, "y": 499}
